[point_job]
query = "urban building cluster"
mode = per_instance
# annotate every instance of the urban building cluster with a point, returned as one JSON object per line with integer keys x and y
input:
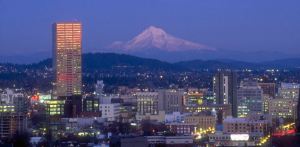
{"x": 232, "y": 112}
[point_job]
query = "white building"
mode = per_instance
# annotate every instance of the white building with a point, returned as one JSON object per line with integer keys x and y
{"x": 111, "y": 112}
{"x": 175, "y": 117}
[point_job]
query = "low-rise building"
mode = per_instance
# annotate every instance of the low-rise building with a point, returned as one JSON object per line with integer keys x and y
{"x": 246, "y": 126}
{"x": 226, "y": 139}
{"x": 175, "y": 117}
{"x": 160, "y": 117}
{"x": 166, "y": 141}
{"x": 182, "y": 128}
{"x": 111, "y": 112}
{"x": 202, "y": 121}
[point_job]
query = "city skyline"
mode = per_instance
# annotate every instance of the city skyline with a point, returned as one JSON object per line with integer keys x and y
{"x": 149, "y": 73}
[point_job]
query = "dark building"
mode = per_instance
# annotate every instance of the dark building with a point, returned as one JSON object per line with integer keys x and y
{"x": 268, "y": 88}
{"x": 90, "y": 107}
{"x": 225, "y": 89}
{"x": 73, "y": 105}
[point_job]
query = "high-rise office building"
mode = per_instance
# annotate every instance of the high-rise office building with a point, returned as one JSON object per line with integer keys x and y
{"x": 67, "y": 58}
{"x": 14, "y": 106}
{"x": 224, "y": 89}
{"x": 250, "y": 98}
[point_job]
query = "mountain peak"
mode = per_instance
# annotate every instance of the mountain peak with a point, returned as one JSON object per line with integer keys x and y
{"x": 156, "y": 38}
{"x": 154, "y": 30}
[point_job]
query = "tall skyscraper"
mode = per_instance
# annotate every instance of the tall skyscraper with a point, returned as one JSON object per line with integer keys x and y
{"x": 225, "y": 89}
{"x": 67, "y": 58}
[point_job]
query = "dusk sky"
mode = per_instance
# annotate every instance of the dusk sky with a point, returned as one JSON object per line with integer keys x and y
{"x": 242, "y": 25}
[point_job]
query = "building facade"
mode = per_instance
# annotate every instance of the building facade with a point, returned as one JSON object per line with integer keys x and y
{"x": 268, "y": 88}
{"x": 283, "y": 108}
{"x": 225, "y": 89}
{"x": 67, "y": 46}
{"x": 289, "y": 91}
{"x": 250, "y": 98}
{"x": 14, "y": 106}
{"x": 245, "y": 126}
{"x": 147, "y": 103}
{"x": 201, "y": 121}
{"x": 111, "y": 112}
{"x": 171, "y": 100}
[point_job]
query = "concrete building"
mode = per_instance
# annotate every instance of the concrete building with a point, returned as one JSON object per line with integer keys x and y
{"x": 221, "y": 111}
{"x": 283, "y": 108}
{"x": 147, "y": 103}
{"x": 13, "y": 112}
{"x": 289, "y": 91}
{"x": 175, "y": 117}
{"x": 268, "y": 88}
{"x": 225, "y": 89}
{"x": 159, "y": 117}
{"x": 193, "y": 99}
{"x": 15, "y": 97}
{"x": 250, "y": 97}
{"x": 237, "y": 140}
{"x": 182, "y": 128}
{"x": 111, "y": 112}
{"x": 67, "y": 48}
{"x": 79, "y": 124}
{"x": 171, "y": 100}
{"x": 11, "y": 122}
{"x": 246, "y": 126}
{"x": 201, "y": 121}
{"x": 266, "y": 103}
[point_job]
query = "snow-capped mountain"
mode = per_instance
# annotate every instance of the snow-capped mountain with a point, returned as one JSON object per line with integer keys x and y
{"x": 156, "y": 38}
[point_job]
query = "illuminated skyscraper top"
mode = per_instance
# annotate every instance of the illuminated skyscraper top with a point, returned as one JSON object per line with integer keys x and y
{"x": 67, "y": 46}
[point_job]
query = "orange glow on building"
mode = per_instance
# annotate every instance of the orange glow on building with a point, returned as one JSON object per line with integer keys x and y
{"x": 67, "y": 48}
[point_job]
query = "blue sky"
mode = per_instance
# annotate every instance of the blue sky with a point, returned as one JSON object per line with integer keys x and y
{"x": 239, "y": 25}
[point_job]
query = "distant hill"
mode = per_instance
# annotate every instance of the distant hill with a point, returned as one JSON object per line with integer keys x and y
{"x": 98, "y": 61}
{"x": 283, "y": 63}
{"x": 217, "y": 64}
{"x": 109, "y": 61}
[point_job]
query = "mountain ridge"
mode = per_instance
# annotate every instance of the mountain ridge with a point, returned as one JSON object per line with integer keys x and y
{"x": 108, "y": 61}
